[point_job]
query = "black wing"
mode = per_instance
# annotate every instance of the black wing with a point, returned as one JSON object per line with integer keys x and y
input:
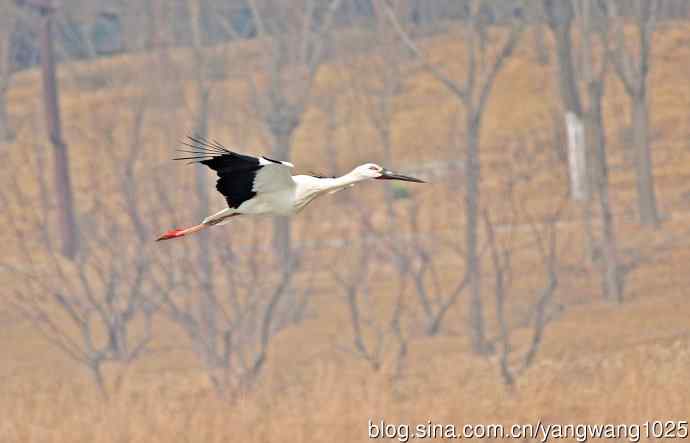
{"x": 236, "y": 172}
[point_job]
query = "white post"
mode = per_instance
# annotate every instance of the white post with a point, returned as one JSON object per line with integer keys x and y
{"x": 577, "y": 158}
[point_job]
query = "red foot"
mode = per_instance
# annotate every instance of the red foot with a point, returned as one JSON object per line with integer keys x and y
{"x": 171, "y": 234}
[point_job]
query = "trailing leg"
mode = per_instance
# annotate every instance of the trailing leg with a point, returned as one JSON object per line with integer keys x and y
{"x": 220, "y": 218}
{"x": 175, "y": 233}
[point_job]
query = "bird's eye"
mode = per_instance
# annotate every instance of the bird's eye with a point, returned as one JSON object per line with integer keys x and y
{"x": 374, "y": 168}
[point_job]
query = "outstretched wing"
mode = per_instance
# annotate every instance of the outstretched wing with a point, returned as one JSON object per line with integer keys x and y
{"x": 240, "y": 177}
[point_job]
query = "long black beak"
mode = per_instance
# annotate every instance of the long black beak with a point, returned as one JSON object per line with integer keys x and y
{"x": 390, "y": 175}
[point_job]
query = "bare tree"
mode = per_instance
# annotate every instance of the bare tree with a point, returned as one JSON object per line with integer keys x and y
{"x": 545, "y": 242}
{"x": 8, "y": 22}
{"x": 202, "y": 87}
{"x": 94, "y": 308}
{"x": 377, "y": 328}
{"x": 354, "y": 282}
{"x": 99, "y": 307}
{"x": 482, "y": 68}
{"x": 595, "y": 81}
{"x": 220, "y": 297}
{"x": 414, "y": 256}
{"x": 233, "y": 345}
{"x": 378, "y": 80}
{"x": 533, "y": 235}
{"x": 63, "y": 183}
{"x": 328, "y": 105}
{"x": 560, "y": 15}
{"x": 535, "y": 16}
{"x": 296, "y": 37}
{"x": 633, "y": 73}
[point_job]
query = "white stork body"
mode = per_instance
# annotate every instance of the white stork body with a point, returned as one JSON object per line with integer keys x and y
{"x": 260, "y": 185}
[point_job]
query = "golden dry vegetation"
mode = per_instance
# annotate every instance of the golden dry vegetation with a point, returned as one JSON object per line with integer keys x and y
{"x": 600, "y": 362}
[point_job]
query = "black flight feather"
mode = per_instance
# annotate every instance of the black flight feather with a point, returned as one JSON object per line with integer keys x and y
{"x": 236, "y": 172}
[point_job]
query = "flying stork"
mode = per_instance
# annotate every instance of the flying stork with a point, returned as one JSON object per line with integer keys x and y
{"x": 261, "y": 185}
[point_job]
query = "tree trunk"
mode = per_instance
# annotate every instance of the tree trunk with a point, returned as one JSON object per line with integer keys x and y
{"x": 7, "y": 23}
{"x": 540, "y": 44}
{"x": 646, "y": 198}
{"x": 388, "y": 187}
{"x": 611, "y": 277}
{"x": 560, "y": 17}
{"x": 282, "y": 226}
{"x": 5, "y": 132}
{"x": 63, "y": 182}
{"x": 566, "y": 69}
{"x": 98, "y": 378}
{"x": 596, "y": 141}
{"x": 152, "y": 38}
{"x": 472, "y": 178}
{"x": 208, "y": 306}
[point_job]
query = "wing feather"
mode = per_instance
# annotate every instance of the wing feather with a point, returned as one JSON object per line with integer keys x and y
{"x": 273, "y": 177}
{"x": 240, "y": 177}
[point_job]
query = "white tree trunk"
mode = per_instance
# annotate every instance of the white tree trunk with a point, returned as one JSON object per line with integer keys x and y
{"x": 577, "y": 157}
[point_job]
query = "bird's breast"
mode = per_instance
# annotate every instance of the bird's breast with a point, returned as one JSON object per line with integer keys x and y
{"x": 276, "y": 203}
{"x": 304, "y": 195}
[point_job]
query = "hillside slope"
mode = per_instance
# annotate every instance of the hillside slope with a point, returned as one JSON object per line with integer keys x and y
{"x": 600, "y": 362}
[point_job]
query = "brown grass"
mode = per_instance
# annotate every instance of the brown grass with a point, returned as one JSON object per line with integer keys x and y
{"x": 600, "y": 362}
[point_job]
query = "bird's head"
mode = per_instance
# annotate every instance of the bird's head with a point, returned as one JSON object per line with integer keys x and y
{"x": 372, "y": 170}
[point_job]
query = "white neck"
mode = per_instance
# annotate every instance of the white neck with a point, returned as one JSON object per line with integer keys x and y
{"x": 308, "y": 187}
{"x": 334, "y": 184}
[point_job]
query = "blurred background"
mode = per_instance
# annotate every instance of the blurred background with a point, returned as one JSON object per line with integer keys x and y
{"x": 540, "y": 274}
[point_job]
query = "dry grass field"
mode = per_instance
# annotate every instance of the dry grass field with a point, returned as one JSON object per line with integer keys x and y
{"x": 600, "y": 362}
